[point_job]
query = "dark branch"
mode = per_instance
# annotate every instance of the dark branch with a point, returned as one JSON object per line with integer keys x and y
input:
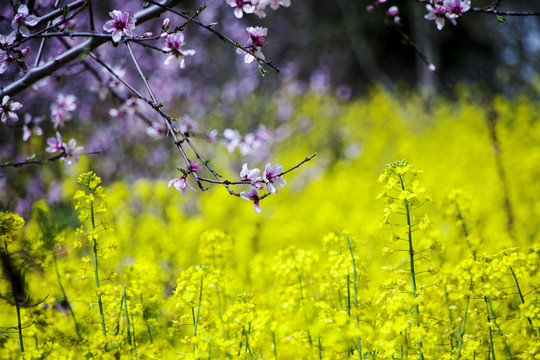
{"x": 40, "y": 72}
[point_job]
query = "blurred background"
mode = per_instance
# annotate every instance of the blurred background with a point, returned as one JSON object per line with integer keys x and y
{"x": 336, "y": 50}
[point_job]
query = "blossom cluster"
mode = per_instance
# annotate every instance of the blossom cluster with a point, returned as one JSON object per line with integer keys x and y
{"x": 255, "y": 44}
{"x": 272, "y": 178}
{"x": 256, "y": 7}
{"x": 442, "y": 10}
{"x": 250, "y": 144}
{"x": 68, "y": 152}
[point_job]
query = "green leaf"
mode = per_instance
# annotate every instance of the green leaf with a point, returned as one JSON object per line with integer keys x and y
{"x": 261, "y": 70}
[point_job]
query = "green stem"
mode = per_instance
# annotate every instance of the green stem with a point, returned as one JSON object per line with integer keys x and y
{"x": 275, "y": 345}
{"x": 196, "y": 319}
{"x": 490, "y": 332}
{"x": 411, "y": 261}
{"x": 126, "y": 314}
{"x": 19, "y": 324}
{"x": 462, "y": 330}
{"x": 465, "y": 230}
{"x": 145, "y": 317}
{"x": 499, "y": 330}
{"x": 96, "y": 272}
{"x": 133, "y": 334}
{"x": 66, "y": 298}
{"x": 15, "y": 293}
{"x": 355, "y": 291}
{"x": 520, "y": 293}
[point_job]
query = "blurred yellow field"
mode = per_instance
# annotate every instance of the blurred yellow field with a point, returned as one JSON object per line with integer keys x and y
{"x": 362, "y": 255}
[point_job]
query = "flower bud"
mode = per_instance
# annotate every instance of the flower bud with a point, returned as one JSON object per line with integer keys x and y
{"x": 25, "y": 52}
{"x": 392, "y": 11}
{"x": 166, "y": 24}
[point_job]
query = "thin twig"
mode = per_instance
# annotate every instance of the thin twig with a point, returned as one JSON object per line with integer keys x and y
{"x": 58, "y": 62}
{"x": 218, "y": 34}
{"x": 42, "y": 161}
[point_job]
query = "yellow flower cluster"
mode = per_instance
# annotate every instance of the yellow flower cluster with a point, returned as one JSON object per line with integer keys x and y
{"x": 10, "y": 224}
{"x": 211, "y": 280}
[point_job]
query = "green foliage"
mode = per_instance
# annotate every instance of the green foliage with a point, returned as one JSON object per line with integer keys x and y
{"x": 205, "y": 277}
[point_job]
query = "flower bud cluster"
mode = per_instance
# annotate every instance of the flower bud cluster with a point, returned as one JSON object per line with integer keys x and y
{"x": 90, "y": 202}
{"x": 10, "y": 224}
{"x": 442, "y": 10}
{"x": 272, "y": 179}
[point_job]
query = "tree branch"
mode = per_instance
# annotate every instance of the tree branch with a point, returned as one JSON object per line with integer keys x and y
{"x": 40, "y": 72}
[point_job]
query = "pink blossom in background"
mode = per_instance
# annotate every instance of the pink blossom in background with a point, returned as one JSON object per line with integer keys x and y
{"x": 231, "y": 139}
{"x": 30, "y": 126}
{"x": 274, "y": 4}
{"x": 212, "y": 136}
{"x": 259, "y": 6}
{"x": 61, "y": 110}
{"x": 121, "y": 24}
{"x": 392, "y": 11}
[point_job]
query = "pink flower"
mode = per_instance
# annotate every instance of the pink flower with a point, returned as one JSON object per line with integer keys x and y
{"x": 166, "y": 24}
{"x": 274, "y": 4}
{"x": 392, "y": 11}
{"x": 62, "y": 24}
{"x": 8, "y": 108}
{"x": 23, "y": 18}
{"x": 181, "y": 185}
{"x": 256, "y": 35}
{"x": 242, "y": 6}
{"x": 232, "y": 139}
{"x": 71, "y": 152}
{"x": 30, "y": 127}
{"x": 437, "y": 13}
{"x": 252, "y": 176}
{"x": 194, "y": 166}
{"x": 212, "y": 136}
{"x": 252, "y": 195}
{"x": 272, "y": 178}
{"x": 259, "y": 6}
{"x": 455, "y": 8}
{"x": 186, "y": 124}
{"x": 175, "y": 43}
{"x": 121, "y": 24}
{"x": 55, "y": 144}
{"x": 61, "y": 111}
{"x": 6, "y": 40}
{"x": 5, "y": 60}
